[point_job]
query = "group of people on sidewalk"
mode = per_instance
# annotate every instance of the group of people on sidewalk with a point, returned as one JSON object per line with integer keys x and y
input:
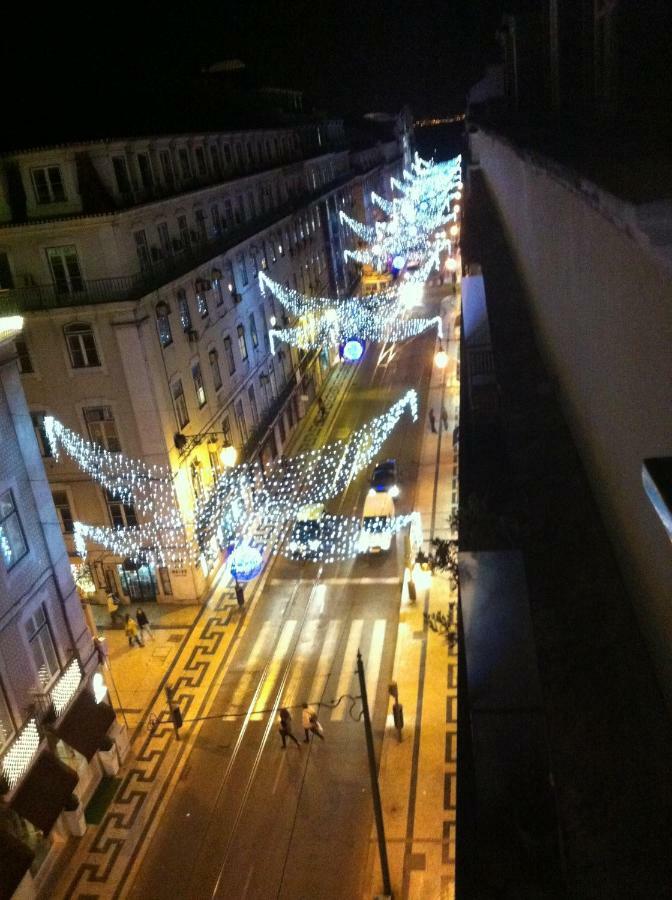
{"x": 135, "y": 628}
{"x": 432, "y": 419}
{"x": 309, "y": 722}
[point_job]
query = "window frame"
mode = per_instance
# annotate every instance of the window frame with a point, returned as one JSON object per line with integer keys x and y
{"x": 78, "y": 331}
{"x": 67, "y": 520}
{"x": 3, "y": 534}
{"x": 179, "y": 407}
{"x": 104, "y": 439}
{"x": 242, "y": 342}
{"x": 199, "y": 385}
{"x": 23, "y": 358}
{"x": 215, "y": 370}
{"x": 126, "y": 515}
{"x": 52, "y": 185}
{"x": 228, "y": 350}
{"x": 36, "y": 638}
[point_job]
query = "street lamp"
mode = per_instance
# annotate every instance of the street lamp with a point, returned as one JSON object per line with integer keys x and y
{"x": 441, "y": 358}
{"x": 228, "y": 456}
{"x": 454, "y": 230}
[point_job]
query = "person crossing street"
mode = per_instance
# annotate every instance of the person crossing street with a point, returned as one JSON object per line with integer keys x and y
{"x": 285, "y": 728}
{"x": 310, "y": 723}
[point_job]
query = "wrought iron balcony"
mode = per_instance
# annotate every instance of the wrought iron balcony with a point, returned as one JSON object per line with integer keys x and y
{"x": 159, "y": 272}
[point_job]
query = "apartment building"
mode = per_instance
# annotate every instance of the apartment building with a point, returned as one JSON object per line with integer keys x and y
{"x": 52, "y": 723}
{"x": 135, "y": 263}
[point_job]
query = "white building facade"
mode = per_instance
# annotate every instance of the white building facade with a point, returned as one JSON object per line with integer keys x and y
{"x": 135, "y": 264}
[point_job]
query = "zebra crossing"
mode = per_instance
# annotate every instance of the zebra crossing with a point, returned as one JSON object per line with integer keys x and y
{"x": 323, "y": 654}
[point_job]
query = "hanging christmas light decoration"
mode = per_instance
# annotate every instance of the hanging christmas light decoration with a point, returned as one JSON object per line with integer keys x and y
{"x": 364, "y": 232}
{"x": 387, "y": 206}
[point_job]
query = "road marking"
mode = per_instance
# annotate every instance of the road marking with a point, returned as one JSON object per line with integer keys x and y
{"x": 240, "y": 697}
{"x": 324, "y": 663}
{"x": 348, "y": 670}
{"x": 393, "y": 579}
{"x": 373, "y": 661}
{"x": 277, "y": 662}
{"x": 304, "y": 650}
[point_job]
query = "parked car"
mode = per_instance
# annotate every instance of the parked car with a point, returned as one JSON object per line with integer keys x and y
{"x": 384, "y": 478}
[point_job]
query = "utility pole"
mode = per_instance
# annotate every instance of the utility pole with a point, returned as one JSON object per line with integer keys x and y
{"x": 375, "y": 790}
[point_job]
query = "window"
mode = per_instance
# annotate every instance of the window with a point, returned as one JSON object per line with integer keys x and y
{"x": 216, "y": 219}
{"x": 265, "y": 385}
{"x": 226, "y": 432}
{"x": 213, "y": 356}
{"x": 164, "y": 578}
{"x": 6, "y": 725}
{"x": 201, "y": 227}
{"x": 180, "y": 404}
{"x": 146, "y": 175}
{"x": 24, "y": 361}
{"x": 197, "y": 376}
{"x": 164, "y": 239}
{"x": 201, "y": 299}
{"x": 217, "y": 284}
{"x": 228, "y": 213}
{"x": 242, "y": 268}
{"x": 13, "y": 545}
{"x": 251, "y": 209}
{"x": 201, "y": 165}
{"x": 215, "y": 159}
{"x": 167, "y": 167}
{"x": 264, "y": 258}
{"x": 163, "y": 324}
{"x": 6, "y": 280}
{"x": 142, "y": 249}
{"x": 48, "y": 185}
{"x": 81, "y": 346}
{"x": 185, "y": 314}
{"x": 196, "y": 479}
{"x": 102, "y": 428}
{"x": 271, "y": 247}
{"x": 242, "y": 342}
{"x": 185, "y": 164}
{"x": 63, "y": 511}
{"x": 227, "y": 155}
{"x": 183, "y": 226}
{"x": 253, "y": 331}
{"x": 121, "y": 174}
{"x": 37, "y": 418}
{"x": 253, "y": 405}
{"x": 65, "y": 269}
{"x": 228, "y": 350}
{"x": 239, "y": 210}
{"x": 42, "y": 647}
{"x": 122, "y": 515}
{"x": 240, "y": 421}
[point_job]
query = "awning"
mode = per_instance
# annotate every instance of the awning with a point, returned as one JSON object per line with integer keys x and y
{"x": 85, "y": 724}
{"x": 43, "y": 793}
{"x": 15, "y": 860}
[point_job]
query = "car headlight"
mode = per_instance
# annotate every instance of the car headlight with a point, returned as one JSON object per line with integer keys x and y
{"x": 394, "y": 491}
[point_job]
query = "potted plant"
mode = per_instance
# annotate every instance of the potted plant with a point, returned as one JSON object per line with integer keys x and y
{"x": 73, "y": 816}
{"x": 107, "y": 754}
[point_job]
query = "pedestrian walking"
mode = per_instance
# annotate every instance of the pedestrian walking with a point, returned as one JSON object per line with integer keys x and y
{"x": 113, "y": 608}
{"x": 285, "y": 728}
{"x": 444, "y": 418}
{"x": 322, "y": 409}
{"x": 310, "y": 723}
{"x": 132, "y": 632}
{"x": 143, "y": 623}
{"x": 432, "y": 420}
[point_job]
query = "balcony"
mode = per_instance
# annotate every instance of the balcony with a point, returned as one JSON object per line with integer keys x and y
{"x": 16, "y": 301}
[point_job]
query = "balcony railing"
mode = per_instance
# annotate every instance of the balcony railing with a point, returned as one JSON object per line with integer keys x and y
{"x": 160, "y": 272}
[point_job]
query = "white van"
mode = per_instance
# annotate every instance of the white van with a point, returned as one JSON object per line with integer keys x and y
{"x": 375, "y": 535}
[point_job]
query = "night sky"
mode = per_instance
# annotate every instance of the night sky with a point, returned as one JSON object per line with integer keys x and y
{"x": 71, "y": 74}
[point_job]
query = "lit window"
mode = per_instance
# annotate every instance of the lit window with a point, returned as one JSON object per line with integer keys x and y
{"x": 163, "y": 324}
{"x": 201, "y": 299}
{"x": 180, "y": 403}
{"x": 102, "y": 429}
{"x": 197, "y": 376}
{"x": 63, "y": 511}
{"x": 81, "y": 346}
{"x": 42, "y": 647}
{"x": 48, "y": 185}
{"x": 185, "y": 315}
{"x": 13, "y": 545}
{"x": 242, "y": 342}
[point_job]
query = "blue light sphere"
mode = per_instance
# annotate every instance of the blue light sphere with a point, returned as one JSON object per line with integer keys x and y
{"x": 246, "y": 562}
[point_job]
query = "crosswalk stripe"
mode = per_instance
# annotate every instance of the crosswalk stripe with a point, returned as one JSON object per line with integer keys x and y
{"x": 347, "y": 671}
{"x": 373, "y": 661}
{"x": 324, "y": 663}
{"x": 304, "y": 650}
{"x": 279, "y": 654}
{"x": 242, "y": 693}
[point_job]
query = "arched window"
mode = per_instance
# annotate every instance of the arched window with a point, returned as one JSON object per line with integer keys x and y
{"x": 163, "y": 324}
{"x": 81, "y": 345}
